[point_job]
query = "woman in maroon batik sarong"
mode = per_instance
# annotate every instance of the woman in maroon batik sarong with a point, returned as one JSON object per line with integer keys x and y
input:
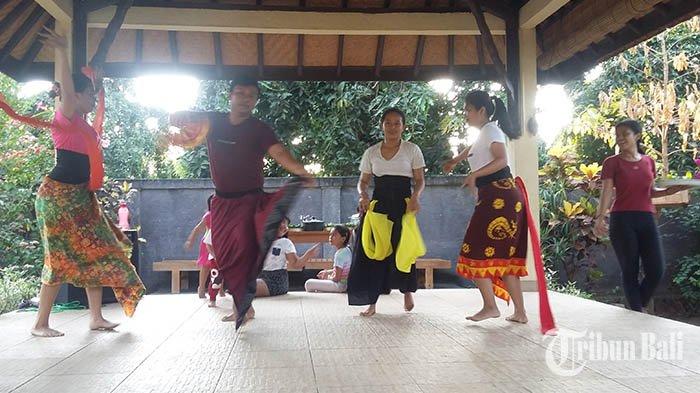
{"x": 495, "y": 245}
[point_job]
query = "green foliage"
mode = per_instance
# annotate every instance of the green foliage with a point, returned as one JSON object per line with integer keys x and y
{"x": 194, "y": 163}
{"x": 689, "y": 217}
{"x": 331, "y": 124}
{"x": 16, "y": 285}
{"x": 687, "y": 278}
{"x": 25, "y": 157}
{"x": 569, "y": 288}
{"x": 112, "y": 192}
{"x": 130, "y": 148}
{"x": 656, "y": 83}
{"x": 568, "y": 202}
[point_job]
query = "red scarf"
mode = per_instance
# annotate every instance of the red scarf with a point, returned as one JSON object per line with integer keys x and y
{"x": 93, "y": 144}
{"x": 547, "y": 325}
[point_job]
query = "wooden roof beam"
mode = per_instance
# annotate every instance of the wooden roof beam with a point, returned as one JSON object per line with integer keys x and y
{"x": 535, "y": 12}
{"x": 487, "y": 38}
{"x": 12, "y": 16}
{"x": 380, "y": 56}
{"x": 115, "y": 24}
{"x": 616, "y": 42}
{"x": 17, "y": 37}
{"x": 94, "y": 5}
{"x": 172, "y": 43}
{"x": 61, "y": 10}
{"x": 298, "y": 22}
{"x": 218, "y": 53}
{"x": 341, "y": 48}
{"x": 34, "y": 50}
{"x": 499, "y": 8}
{"x": 418, "y": 60}
{"x": 300, "y": 54}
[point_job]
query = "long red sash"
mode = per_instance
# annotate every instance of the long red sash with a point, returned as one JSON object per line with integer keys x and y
{"x": 547, "y": 325}
{"x": 93, "y": 145}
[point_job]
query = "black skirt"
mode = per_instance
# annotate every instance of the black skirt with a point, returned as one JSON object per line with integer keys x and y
{"x": 370, "y": 278}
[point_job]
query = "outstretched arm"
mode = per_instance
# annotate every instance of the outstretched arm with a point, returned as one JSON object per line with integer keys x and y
{"x": 194, "y": 127}
{"x": 295, "y": 262}
{"x": 199, "y": 229}
{"x": 68, "y": 101}
{"x": 448, "y": 166}
{"x": 283, "y": 157}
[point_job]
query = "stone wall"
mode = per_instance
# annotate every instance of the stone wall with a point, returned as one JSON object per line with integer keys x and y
{"x": 167, "y": 210}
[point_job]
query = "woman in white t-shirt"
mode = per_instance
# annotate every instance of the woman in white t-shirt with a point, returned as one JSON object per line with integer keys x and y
{"x": 274, "y": 279}
{"x": 394, "y": 164}
{"x": 495, "y": 244}
{"x": 336, "y": 278}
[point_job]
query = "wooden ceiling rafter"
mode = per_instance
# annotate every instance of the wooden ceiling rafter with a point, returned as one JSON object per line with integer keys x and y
{"x": 634, "y": 32}
{"x": 21, "y": 32}
{"x": 100, "y": 56}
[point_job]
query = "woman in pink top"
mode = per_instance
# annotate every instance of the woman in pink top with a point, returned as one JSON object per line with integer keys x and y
{"x": 633, "y": 231}
{"x": 81, "y": 246}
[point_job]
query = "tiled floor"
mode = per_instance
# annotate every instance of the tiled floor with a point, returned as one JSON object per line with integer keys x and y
{"x": 315, "y": 343}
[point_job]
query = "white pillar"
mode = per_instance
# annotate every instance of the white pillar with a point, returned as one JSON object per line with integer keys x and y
{"x": 524, "y": 150}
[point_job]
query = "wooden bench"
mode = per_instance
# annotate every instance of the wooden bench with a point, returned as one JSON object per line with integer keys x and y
{"x": 177, "y": 266}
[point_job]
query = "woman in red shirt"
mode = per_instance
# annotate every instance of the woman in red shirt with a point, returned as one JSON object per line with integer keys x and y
{"x": 633, "y": 231}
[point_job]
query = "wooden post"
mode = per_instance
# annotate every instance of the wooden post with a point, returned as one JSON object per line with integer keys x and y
{"x": 429, "y": 278}
{"x": 523, "y": 151}
{"x": 175, "y": 281}
{"x": 79, "y": 28}
{"x": 513, "y": 70}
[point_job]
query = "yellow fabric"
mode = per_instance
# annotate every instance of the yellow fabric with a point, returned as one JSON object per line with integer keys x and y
{"x": 376, "y": 234}
{"x": 411, "y": 245}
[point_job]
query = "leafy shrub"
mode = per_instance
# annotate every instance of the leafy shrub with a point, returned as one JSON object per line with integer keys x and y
{"x": 687, "y": 278}
{"x": 16, "y": 285}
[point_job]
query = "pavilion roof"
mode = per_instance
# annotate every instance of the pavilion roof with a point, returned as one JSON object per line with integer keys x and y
{"x": 336, "y": 39}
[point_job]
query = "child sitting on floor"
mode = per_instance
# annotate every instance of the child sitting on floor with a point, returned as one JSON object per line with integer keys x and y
{"x": 335, "y": 279}
{"x": 274, "y": 279}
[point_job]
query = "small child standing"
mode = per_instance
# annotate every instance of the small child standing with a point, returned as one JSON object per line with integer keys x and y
{"x": 203, "y": 259}
{"x": 335, "y": 279}
{"x": 215, "y": 282}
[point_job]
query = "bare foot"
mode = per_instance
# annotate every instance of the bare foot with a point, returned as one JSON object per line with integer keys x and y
{"x": 485, "y": 313}
{"x": 371, "y": 310}
{"x": 212, "y": 304}
{"x": 230, "y": 318}
{"x": 103, "y": 324}
{"x": 408, "y": 301}
{"x": 519, "y": 317}
{"x": 46, "y": 332}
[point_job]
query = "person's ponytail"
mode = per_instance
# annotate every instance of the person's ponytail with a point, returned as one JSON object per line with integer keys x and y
{"x": 501, "y": 115}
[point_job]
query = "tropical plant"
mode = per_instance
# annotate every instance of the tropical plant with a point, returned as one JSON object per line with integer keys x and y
{"x": 568, "y": 203}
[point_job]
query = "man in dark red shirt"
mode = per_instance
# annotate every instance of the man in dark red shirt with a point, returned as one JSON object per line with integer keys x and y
{"x": 237, "y": 143}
